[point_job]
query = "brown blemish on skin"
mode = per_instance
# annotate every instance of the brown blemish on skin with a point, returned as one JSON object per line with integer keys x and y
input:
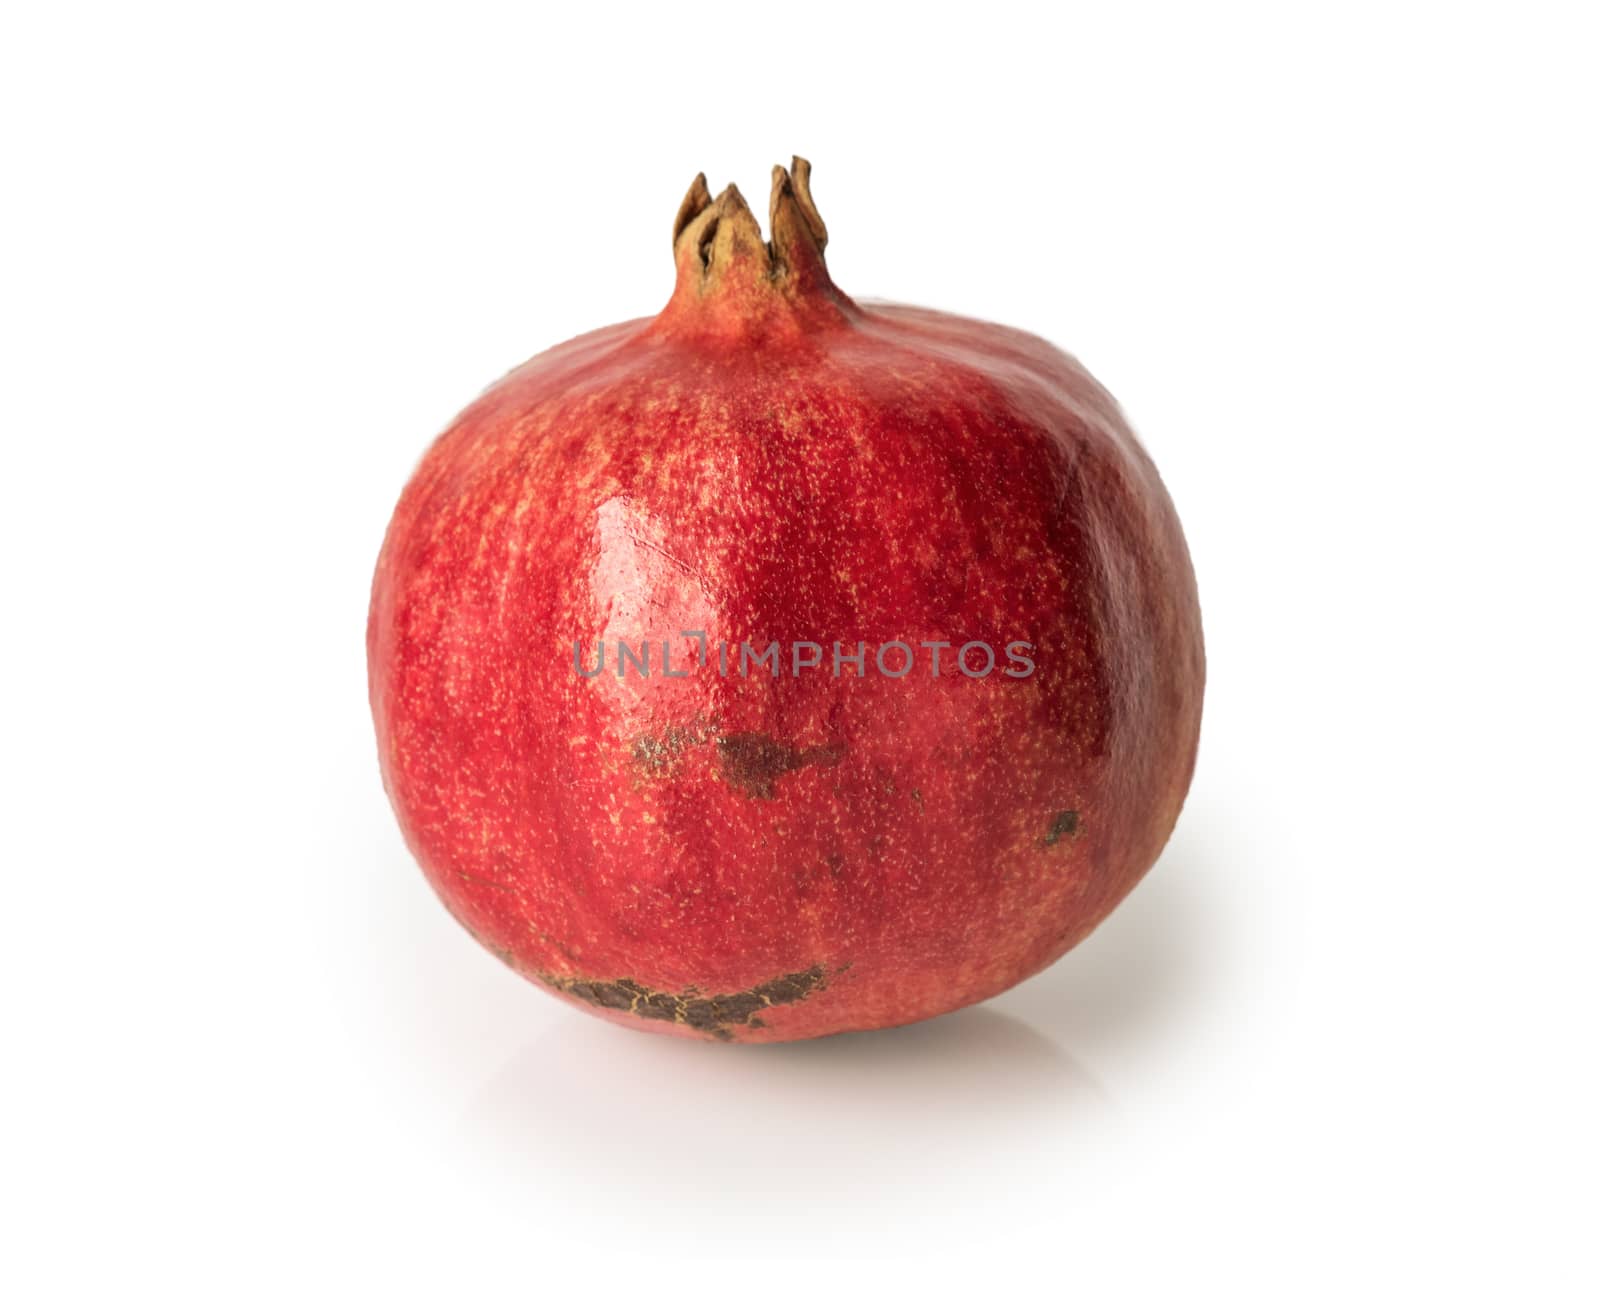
{"x": 748, "y": 761}
{"x": 714, "y": 1015}
{"x": 752, "y": 761}
{"x": 1063, "y": 824}
{"x": 656, "y": 754}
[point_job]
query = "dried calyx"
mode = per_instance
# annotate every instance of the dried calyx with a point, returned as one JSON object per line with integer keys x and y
{"x": 713, "y": 238}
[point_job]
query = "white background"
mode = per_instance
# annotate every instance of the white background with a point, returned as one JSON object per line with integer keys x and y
{"x": 1339, "y": 264}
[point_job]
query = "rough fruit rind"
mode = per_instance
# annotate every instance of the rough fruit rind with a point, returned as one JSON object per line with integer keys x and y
{"x": 767, "y": 460}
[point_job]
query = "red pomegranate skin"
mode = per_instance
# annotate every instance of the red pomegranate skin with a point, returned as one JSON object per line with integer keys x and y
{"x": 757, "y": 858}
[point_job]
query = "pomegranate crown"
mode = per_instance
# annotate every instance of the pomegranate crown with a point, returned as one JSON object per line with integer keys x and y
{"x": 722, "y": 260}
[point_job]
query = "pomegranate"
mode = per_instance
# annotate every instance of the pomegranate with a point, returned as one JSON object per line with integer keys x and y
{"x": 782, "y": 665}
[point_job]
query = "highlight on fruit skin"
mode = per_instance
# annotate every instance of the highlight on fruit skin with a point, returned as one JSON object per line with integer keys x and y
{"x": 782, "y": 665}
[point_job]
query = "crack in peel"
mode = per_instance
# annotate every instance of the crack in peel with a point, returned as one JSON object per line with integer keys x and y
{"x": 714, "y": 1014}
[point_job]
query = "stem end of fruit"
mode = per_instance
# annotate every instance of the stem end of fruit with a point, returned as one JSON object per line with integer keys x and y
{"x": 720, "y": 254}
